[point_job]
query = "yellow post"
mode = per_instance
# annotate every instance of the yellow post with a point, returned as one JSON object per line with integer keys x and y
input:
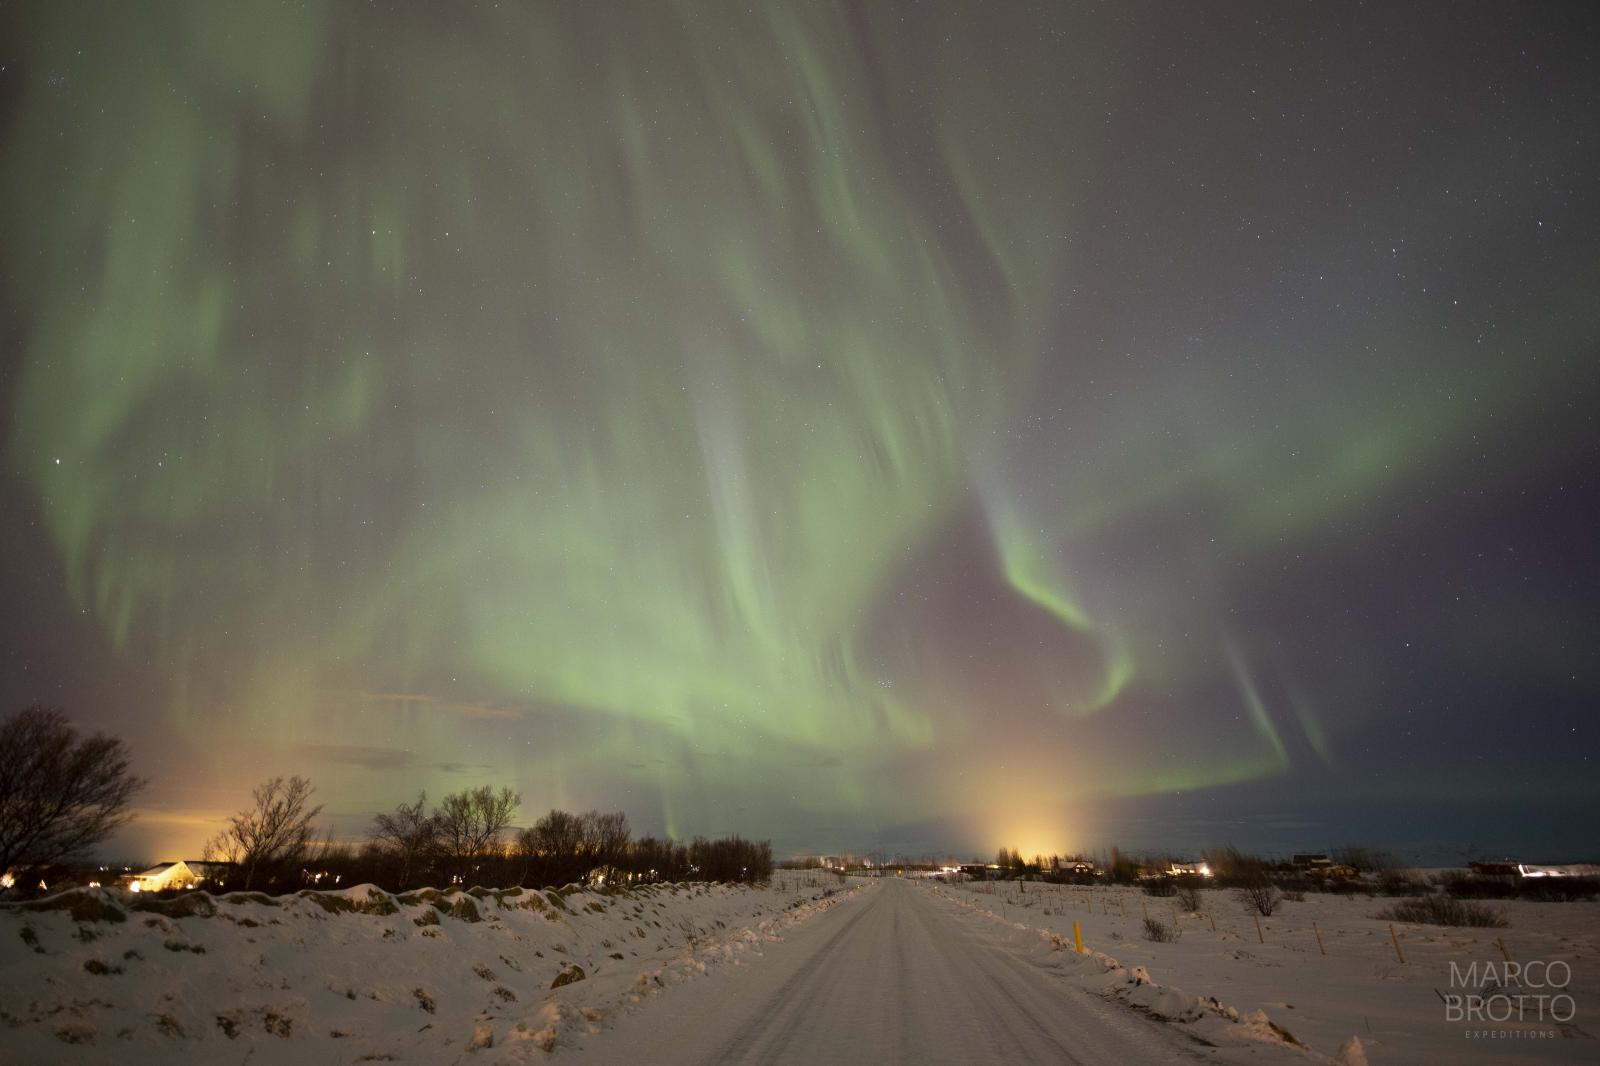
{"x": 1317, "y": 931}
{"x": 1259, "y": 934}
{"x": 1501, "y": 944}
{"x": 1077, "y": 936}
{"x": 1396, "y": 938}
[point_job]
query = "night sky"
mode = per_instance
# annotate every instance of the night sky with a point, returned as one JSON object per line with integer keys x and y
{"x": 911, "y": 426}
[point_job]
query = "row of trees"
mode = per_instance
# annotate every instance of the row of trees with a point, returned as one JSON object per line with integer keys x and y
{"x": 1013, "y": 865}
{"x": 1229, "y": 865}
{"x": 62, "y": 793}
{"x": 466, "y": 838}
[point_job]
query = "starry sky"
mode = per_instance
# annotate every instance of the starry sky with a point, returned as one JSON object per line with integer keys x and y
{"x": 877, "y": 425}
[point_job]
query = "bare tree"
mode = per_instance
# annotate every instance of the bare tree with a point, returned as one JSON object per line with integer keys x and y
{"x": 553, "y": 848}
{"x": 408, "y": 836}
{"x": 470, "y": 823}
{"x": 60, "y": 793}
{"x": 272, "y": 837}
{"x": 606, "y": 841}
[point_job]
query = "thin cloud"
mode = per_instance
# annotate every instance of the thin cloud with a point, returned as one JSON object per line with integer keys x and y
{"x": 367, "y": 757}
{"x": 463, "y": 767}
{"x": 497, "y": 711}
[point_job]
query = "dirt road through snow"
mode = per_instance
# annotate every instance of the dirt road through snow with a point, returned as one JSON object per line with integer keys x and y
{"x": 890, "y": 977}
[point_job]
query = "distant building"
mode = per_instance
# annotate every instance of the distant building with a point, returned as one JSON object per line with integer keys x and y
{"x": 1321, "y": 866}
{"x": 1576, "y": 869}
{"x": 185, "y": 873}
{"x": 1075, "y": 866}
{"x": 1510, "y": 868}
{"x": 1189, "y": 869}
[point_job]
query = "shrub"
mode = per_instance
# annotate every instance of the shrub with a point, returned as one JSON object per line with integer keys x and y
{"x": 1188, "y": 890}
{"x": 1365, "y": 860}
{"x": 1161, "y": 887}
{"x": 1259, "y": 895}
{"x": 1444, "y": 910}
{"x": 1160, "y": 932}
{"x": 1233, "y": 867}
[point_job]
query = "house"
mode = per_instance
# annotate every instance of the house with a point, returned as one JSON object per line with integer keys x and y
{"x": 185, "y": 873}
{"x": 1582, "y": 869}
{"x": 1189, "y": 869}
{"x": 1320, "y": 866}
{"x": 1076, "y": 867}
{"x": 1512, "y": 868}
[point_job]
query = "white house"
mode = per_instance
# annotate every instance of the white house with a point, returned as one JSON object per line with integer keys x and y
{"x": 1528, "y": 869}
{"x": 185, "y": 873}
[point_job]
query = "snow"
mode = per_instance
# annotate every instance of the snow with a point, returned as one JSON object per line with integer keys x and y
{"x": 1356, "y": 1000}
{"x": 901, "y": 975}
{"x": 809, "y": 968}
{"x": 360, "y": 973}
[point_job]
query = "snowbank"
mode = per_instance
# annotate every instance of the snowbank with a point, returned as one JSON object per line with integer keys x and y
{"x": 362, "y": 974}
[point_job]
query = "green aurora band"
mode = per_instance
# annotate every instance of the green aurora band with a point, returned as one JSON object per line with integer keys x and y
{"x": 565, "y": 404}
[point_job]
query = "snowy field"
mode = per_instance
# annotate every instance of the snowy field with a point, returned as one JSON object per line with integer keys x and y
{"x": 364, "y": 976}
{"x": 808, "y": 968}
{"x": 1354, "y": 984}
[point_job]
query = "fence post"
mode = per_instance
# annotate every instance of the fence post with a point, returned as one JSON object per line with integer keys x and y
{"x": 1077, "y": 936}
{"x": 1259, "y": 934}
{"x": 1396, "y": 938}
{"x": 1317, "y": 931}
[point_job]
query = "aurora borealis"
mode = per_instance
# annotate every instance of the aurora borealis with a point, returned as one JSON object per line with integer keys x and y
{"x": 915, "y": 426}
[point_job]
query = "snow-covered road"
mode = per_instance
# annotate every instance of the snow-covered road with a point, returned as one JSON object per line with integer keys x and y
{"x": 894, "y": 976}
